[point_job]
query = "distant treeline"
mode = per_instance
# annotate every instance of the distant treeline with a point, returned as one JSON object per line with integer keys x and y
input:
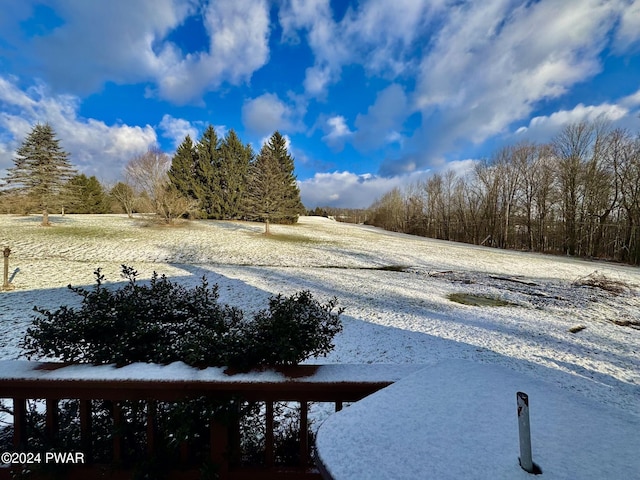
{"x": 577, "y": 195}
{"x": 347, "y": 215}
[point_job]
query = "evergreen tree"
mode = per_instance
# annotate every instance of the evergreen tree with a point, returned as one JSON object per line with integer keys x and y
{"x": 234, "y": 160}
{"x": 183, "y": 169}
{"x": 273, "y": 194}
{"x": 85, "y": 195}
{"x": 207, "y": 172}
{"x": 292, "y": 205}
{"x": 41, "y": 169}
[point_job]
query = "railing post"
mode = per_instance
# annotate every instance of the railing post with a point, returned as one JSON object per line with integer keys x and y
{"x": 6, "y": 285}
{"x": 19, "y": 423}
{"x": 304, "y": 434}
{"x": 51, "y": 422}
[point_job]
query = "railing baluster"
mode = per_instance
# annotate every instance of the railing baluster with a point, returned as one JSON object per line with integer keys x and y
{"x": 117, "y": 432}
{"x": 85, "y": 429}
{"x": 304, "y": 434}
{"x": 184, "y": 451}
{"x": 151, "y": 427}
{"x": 236, "y": 453}
{"x": 219, "y": 447}
{"x": 51, "y": 420}
{"x": 19, "y": 423}
{"x": 268, "y": 452}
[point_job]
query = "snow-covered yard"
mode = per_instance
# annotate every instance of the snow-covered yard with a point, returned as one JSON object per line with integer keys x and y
{"x": 393, "y": 315}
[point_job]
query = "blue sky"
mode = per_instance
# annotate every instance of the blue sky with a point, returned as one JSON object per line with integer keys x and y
{"x": 371, "y": 94}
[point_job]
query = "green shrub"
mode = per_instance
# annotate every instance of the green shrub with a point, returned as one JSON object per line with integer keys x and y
{"x": 292, "y": 329}
{"x": 163, "y": 322}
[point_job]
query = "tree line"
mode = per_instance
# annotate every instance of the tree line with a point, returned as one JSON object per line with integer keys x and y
{"x": 213, "y": 178}
{"x": 577, "y": 195}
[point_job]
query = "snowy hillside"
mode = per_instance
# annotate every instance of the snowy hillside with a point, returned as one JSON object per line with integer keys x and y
{"x": 394, "y": 287}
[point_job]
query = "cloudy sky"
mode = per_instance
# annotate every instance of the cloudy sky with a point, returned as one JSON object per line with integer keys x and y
{"x": 371, "y": 94}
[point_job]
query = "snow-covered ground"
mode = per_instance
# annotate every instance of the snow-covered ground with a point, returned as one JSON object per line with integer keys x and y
{"x": 390, "y": 317}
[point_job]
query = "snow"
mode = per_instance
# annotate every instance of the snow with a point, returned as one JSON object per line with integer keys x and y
{"x": 459, "y": 420}
{"x": 179, "y": 372}
{"x": 391, "y": 317}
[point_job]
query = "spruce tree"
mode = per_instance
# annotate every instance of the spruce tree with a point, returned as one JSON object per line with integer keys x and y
{"x": 234, "y": 160}
{"x": 84, "y": 194}
{"x": 292, "y": 205}
{"x": 273, "y": 194}
{"x": 207, "y": 173}
{"x": 183, "y": 169}
{"x": 41, "y": 169}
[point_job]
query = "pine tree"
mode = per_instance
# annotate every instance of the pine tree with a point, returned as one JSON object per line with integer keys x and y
{"x": 292, "y": 205}
{"x": 85, "y": 195}
{"x": 207, "y": 172}
{"x": 273, "y": 194}
{"x": 41, "y": 169}
{"x": 183, "y": 169}
{"x": 234, "y": 160}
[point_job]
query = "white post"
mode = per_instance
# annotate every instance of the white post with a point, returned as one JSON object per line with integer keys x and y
{"x": 524, "y": 428}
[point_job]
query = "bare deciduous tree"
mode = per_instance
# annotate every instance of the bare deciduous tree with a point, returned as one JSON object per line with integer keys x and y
{"x": 125, "y": 195}
{"x": 579, "y": 195}
{"x": 148, "y": 175}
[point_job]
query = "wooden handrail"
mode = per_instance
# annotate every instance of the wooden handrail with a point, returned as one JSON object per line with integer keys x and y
{"x": 303, "y": 384}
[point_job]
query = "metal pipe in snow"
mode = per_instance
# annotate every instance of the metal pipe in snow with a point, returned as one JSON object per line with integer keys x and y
{"x": 526, "y": 462}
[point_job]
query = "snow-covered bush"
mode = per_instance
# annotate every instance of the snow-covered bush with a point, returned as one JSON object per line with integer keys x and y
{"x": 163, "y": 322}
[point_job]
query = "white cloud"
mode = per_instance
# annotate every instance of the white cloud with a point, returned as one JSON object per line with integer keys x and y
{"x": 317, "y": 79}
{"x": 337, "y": 132}
{"x": 177, "y": 129}
{"x": 380, "y": 35}
{"x": 129, "y": 45}
{"x": 386, "y": 31}
{"x": 349, "y": 190}
{"x": 628, "y": 34}
{"x": 267, "y": 113}
{"x": 96, "y": 148}
{"x": 316, "y": 18}
{"x": 380, "y": 125}
{"x": 631, "y": 101}
{"x": 459, "y": 167}
{"x": 543, "y": 128}
{"x": 239, "y": 33}
{"x": 491, "y": 64}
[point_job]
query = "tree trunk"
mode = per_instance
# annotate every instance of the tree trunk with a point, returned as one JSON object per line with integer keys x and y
{"x": 266, "y": 227}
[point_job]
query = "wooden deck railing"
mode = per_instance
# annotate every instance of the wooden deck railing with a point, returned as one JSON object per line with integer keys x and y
{"x": 301, "y": 384}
